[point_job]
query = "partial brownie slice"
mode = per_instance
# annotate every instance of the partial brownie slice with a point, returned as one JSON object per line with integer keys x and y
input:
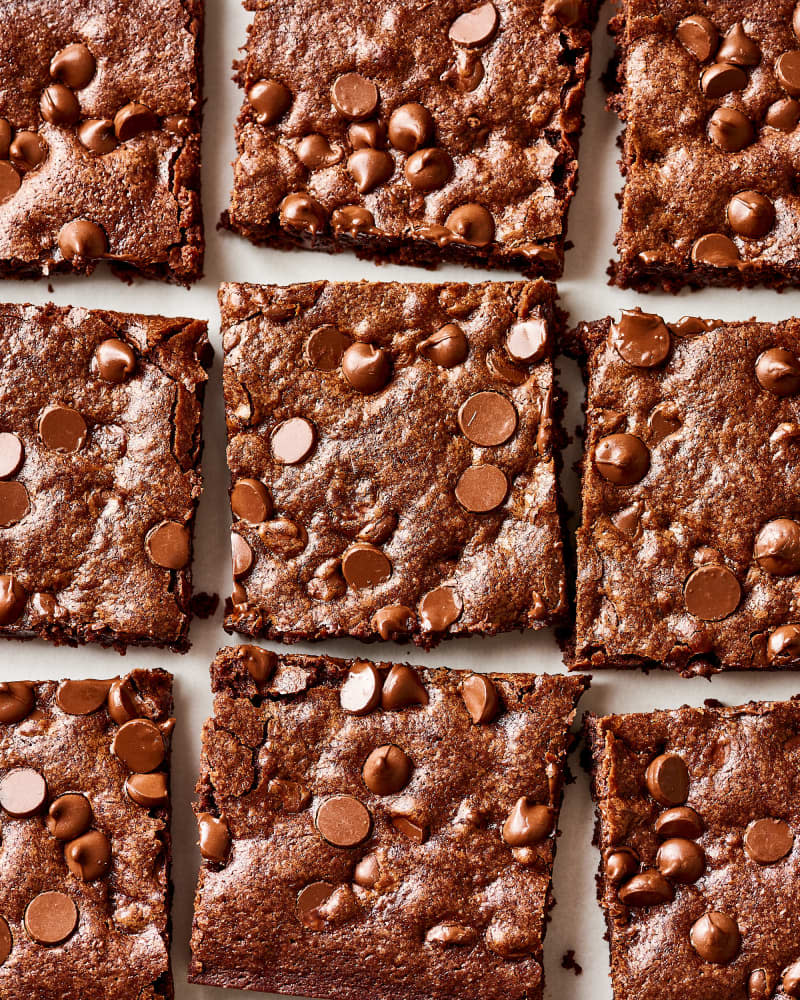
{"x": 100, "y": 442}
{"x": 709, "y": 96}
{"x": 699, "y": 833}
{"x": 84, "y": 871}
{"x": 100, "y": 118}
{"x": 413, "y": 132}
{"x": 377, "y": 830}
{"x": 689, "y": 547}
{"x": 393, "y": 454}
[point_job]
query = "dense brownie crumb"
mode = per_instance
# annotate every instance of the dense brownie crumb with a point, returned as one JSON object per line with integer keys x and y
{"x": 413, "y": 132}
{"x": 377, "y": 830}
{"x": 100, "y": 118}
{"x": 709, "y": 94}
{"x": 100, "y": 443}
{"x": 689, "y": 547}
{"x": 393, "y": 454}
{"x": 699, "y": 833}
{"x": 84, "y": 869}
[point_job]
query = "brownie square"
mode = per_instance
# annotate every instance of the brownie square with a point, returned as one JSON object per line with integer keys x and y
{"x": 393, "y": 453}
{"x": 349, "y": 852}
{"x": 100, "y": 443}
{"x": 689, "y": 548}
{"x": 709, "y": 96}
{"x": 699, "y": 832}
{"x": 84, "y": 871}
{"x": 413, "y": 132}
{"x": 100, "y": 116}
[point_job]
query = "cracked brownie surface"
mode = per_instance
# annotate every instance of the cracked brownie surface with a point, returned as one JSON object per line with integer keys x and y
{"x": 100, "y": 448}
{"x": 393, "y": 454}
{"x": 100, "y": 117}
{"x": 348, "y": 850}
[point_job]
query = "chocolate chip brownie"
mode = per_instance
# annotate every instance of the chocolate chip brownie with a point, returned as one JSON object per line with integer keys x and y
{"x": 689, "y": 547}
{"x": 710, "y": 96}
{"x": 100, "y": 116}
{"x": 100, "y": 442}
{"x": 84, "y": 870}
{"x": 699, "y": 833}
{"x": 393, "y": 454}
{"x": 413, "y": 132}
{"x": 348, "y": 850}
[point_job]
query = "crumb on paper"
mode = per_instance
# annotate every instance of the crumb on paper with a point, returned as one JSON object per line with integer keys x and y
{"x": 568, "y": 962}
{"x": 204, "y": 605}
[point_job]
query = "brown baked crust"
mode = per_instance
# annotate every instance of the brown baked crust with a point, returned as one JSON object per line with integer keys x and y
{"x": 677, "y": 181}
{"x": 246, "y": 932}
{"x": 743, "y": 764}
{"x": 120, "y": 950}
{"x": 145, "y": 194}
{"x": 83, "y": 541}
{"x": 513, "y": 139}
{"x": 711, "y": 487}
{"x": 395, "y": 454}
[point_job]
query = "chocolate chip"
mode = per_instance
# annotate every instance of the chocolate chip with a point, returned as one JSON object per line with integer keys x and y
{"x": 487, "y": 418}
{"x": 787, "y": 72}
{"x": 693, "y": 326}
{"x": 69, "y": 816}
{"x": 9, "y": 181}
{"x": 260, "y": 663}
{"x": 450, "y": 934}
{"x": 440, "y": 607}
{"x": 476, "y": 26}
{"x": 410, "y": 127}
{"x": 16, "y": 699}
{"x": 168, "y": 545}
{"x": 387, "y": 770}
{"x": 480, "y": 697}
{"x": 720, "y": 79}
{"x": 750, "y": 214}
{"x": 667, "y": 779}
{"x": 367, "y": 872}
{"x": 12, "y": 454}
{"x": 410, "y": 828}
{"x": 23, "y": 792}
{"x": 682, "y": 821}
{"x": 402, "y": 688}
{"x": 325, "y": 347}
{"x": 293, "y": 440}
{"x": 681, "y": 860}
{"x": 343, "y": 821}
{"x": 481, "y": 488}
{"x": 27, "y": 151}
{"x": 783, "y": 114}
{"x": 361, "y": 692}
{"x": 74, "y": 65}
{"x": 270, "y": 100}
{"x": 114, "y": 361}
{"x": 353, "y": 219}
{"x": 6, "y": 940}
{"x": 699, "y": 36}
{"x": 151, "y": 791}
{"x": 528, "y": 341}
{"x": 642, "y": 339}
{"x": 309, "y": 900}
{"x": 241, "y": 555}
{"x": 783, "y": 646}
{"x": 301, "y": 211}
{"x": 215, "y": 838}
{"x": 471, "y": 224}
{"x": 82, "y": 697}
{"x": 132, "y": 120}
{"x": 365, "y": 566}
{"x": 369, "y": 168}
{"x": 5, "y": 138}
{"x": 778, "y": 371}
{"x": 366, "y": 367}
{"x": 768, "y": 840}
{"x": 777, "y": 547}
{"x": 663, "y": 421}
{"x": 528, "y": 823}
{"x": 510, "y": 940}
{"x": 315, "y": 152}
{"x": 13, "y": 598}
{"x": 59, "y": 106}
{"x": 62, "y": 428}
{"x": 730, "y": 131}
{"x": 739, "y": 48}
{"x": 711, "y": 593}
{"x": 250, "y": 501}
{"x": 790, "y": 980}
{"x": 428, "y": 169}
{"x": 622, "y": 459}
{"x": 82, "y": 239}
{"x": 621, "y": 864}
{"x": 715, "y": 937}
{"x": 88, "y": 857}
{"x": 760, "y": 985}
{"x": 649, "y": 888}
{"x": 139, "y": 745}
{"x": 354, "y": 96}
{"x": 715, "y": 250}
{"x": 567, "y": 13}
{"x": 50, "y": 917}
{"x": 367, "y": 135}
{"x": 447, "y": 347}
{"x": 122, "y": 703}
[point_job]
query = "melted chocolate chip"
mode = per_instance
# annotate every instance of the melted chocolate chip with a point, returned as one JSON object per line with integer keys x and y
{"x": 316, "y": 152}
{"x": 410, "y": 127}
{"x": 471, "y": 224}
{"x": 393, "y": 620}
{"x": 168, "y": 545}
{"x": 301, "y": 211}
{"x": 440, "y": 607}
{"x": 649, "y": 888}
{"x": 309, "y": 901}
{"x": 481, "y": 488}
{"x": 16, "y": 700}
{"x": 402, "y": 688}
{"x": 367, "y": 135}
{"x": 89, "y": 857}
{"x": 69, "y": 816}
{"x": 250, "y": 501}
{"x": 783, "y": 645}
{"x": 114, "y": 361}
{"x": 739, "y": 48}
{"x": 74, "y": 65}
{"x": 428, "y": 169}
{"x": 23, "y": 792}
{"x": 151, "y": 791}
{"x": 787, "y": 72}
{"x": 366, "y": 367}
{"x": 13, "y": 598}
{"x": 716, "y": 938}
{"x": 139, "y": 745}
{"x": 215, "y": 838}
{"x": 242, "y": 557}
{"x": 777, "y": 547}
{"x": 750, "y": 214}
{"x": 681, "y": 860}
{"x": 528, "y": 823}
{"x": 59, "y": 106}
{"x": 621, "y": 864}
{"x": 10, "y": 181}
{"x": 641, "y": 339}
{"x": 62, "y": 428}
{"x": 270, "y": 100}
{"x": 27, "y": 151}
{"x": 361, "y": 692}
{"x": 325, "y": 348}
{"x": 365, "y": 566}
{"x": 778, "y": 371}
{"x": 447, "y": 347}
{"x": 528, "y": 341}
{"x": 122, "y": 703}
{"x": 722, "y": 78}
{"x": 133, "y": 120}
{"x": 699, "y": 36}
{"x": 82, "y": 697}
{"x": 730, "y": 131}
{"x": 622, "y": 459}
{"x": 12, "y": 454}
{"x": 783, "y": 114}
{"x": 369, "y": 168}
{"x": 480, "y": 698}
{"x": 681, "y": 821}
{"x": 82, "y": 240}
